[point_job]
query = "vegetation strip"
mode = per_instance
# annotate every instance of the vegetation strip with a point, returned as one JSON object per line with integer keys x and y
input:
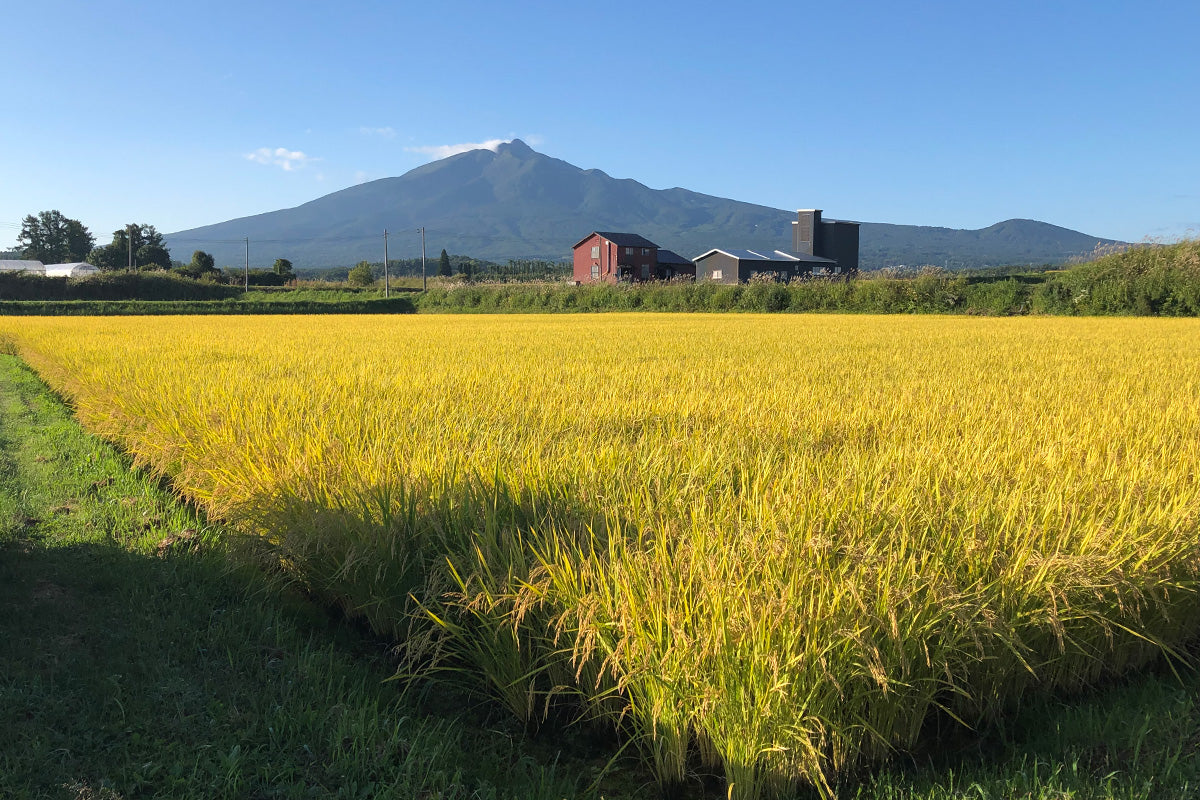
{"x": 86, "y": 308}
{"x": 135, "y": 662}
{"x": 1142, "y": 281}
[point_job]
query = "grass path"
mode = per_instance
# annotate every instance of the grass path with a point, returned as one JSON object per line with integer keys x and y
{"x": 135, "y": 663}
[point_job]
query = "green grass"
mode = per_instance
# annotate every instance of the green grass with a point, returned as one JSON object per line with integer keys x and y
{"x": 135, "y": 662}
{"x": 1138, "y": 740}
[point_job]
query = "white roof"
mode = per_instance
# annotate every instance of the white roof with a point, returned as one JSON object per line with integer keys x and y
{"x": 13, "y": 265}
{"x": 67, "y": 270}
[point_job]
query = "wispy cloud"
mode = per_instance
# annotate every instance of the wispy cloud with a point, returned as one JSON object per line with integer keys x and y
{"x": 383, "y": 133}
{"x": 280, "y": 157}
{"x": 437, "y": 151}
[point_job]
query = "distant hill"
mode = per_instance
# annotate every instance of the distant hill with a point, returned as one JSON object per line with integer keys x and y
{"x": 516, "y": 203}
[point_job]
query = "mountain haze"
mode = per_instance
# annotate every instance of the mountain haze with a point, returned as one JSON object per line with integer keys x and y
{"x": 516, "y": 203}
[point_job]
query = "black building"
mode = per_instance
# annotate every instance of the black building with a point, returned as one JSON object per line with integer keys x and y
{"x": 832, "y": 239}
{"x": 672, "y": 265}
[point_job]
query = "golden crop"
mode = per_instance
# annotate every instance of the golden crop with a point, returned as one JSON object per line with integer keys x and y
{"x": 780, "y": 542}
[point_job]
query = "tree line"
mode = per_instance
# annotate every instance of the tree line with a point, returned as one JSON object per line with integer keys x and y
{"x": 53, "y": 238}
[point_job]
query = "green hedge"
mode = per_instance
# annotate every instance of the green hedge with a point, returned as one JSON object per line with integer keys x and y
{"x": 48, "y": 308}
{"x": 123, "y": 285}
{"x": 1144, "y": 280}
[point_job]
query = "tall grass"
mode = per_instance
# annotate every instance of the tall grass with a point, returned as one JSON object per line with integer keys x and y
{"x": 767, "y": 547}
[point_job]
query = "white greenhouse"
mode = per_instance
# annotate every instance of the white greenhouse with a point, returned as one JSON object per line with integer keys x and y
{"x": 74, "y": 270}
{"x": 12, "y": 265}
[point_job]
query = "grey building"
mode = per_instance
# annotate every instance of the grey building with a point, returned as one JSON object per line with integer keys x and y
{"x": 740, "y": 266}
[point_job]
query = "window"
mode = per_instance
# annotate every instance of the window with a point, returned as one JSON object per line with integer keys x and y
{"x": 645, "y": 251}
{"x": 717, "y": 275}
{"x": 595, "y": 251}
{"x": 628, "y": 251}
{"x": 595, "y": 272}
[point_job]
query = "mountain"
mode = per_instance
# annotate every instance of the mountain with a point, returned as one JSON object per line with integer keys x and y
{"x": 513, "y": 202}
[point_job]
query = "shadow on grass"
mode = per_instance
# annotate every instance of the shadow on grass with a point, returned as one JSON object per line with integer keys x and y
{"x": 132, "y": 674}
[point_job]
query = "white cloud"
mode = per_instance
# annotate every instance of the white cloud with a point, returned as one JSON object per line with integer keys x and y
{"x": 437, "y": 151}
{"x": 384, "y": 133}
{"x": 280, "y": 157}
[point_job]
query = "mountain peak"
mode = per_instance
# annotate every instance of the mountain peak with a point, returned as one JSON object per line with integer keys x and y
{"x": 516, "y": 147}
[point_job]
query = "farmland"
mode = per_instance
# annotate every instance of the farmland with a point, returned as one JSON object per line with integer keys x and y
{"x": 768, "y": 547}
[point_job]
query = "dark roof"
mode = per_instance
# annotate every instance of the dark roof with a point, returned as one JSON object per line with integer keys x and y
{"x": 778, "y": 257}
{"x": 814, "y": 259}
{"x": 622, "y": 240}
{"x": 671, "y": 257}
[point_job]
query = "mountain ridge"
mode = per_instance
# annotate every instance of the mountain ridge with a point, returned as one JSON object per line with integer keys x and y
{"x": 513, "y": 202}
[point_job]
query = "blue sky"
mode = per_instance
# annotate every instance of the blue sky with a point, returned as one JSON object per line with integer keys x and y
{"x": 961, "y": 114}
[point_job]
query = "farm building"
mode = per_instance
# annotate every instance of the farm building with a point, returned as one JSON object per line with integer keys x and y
{"x": 12, "y": 265}
{"x": 820, "y": 248}
{"x": 74, "y": 270}
{"x": 614, "y": 257}
{"x": 740, "y": 266}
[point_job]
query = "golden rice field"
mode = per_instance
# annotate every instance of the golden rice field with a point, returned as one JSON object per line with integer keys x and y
{"x": 766, "y": 546}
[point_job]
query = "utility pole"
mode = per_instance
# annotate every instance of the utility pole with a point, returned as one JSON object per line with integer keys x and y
{"x": 247, "y": 286}
{"x": 386, "y": 291}
{"x": 129, "y": 235}
{"x": 424, "y": 286}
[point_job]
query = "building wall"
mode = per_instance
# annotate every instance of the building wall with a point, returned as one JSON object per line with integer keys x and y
{"x": 784, "y": 271}
{"x": 641, "y": 264}
{"x": 583, "y": 260}
{"x": 726, "y": 265}
{"x": 839, "y": 241}
{"x": 669, "y": 271}
{"x": 806, "y": 232}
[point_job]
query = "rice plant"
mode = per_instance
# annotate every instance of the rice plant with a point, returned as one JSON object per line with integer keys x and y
{"x": 770, "y": 547}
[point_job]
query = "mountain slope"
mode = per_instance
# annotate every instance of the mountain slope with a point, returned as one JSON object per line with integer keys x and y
{"x": 516, "y": 203}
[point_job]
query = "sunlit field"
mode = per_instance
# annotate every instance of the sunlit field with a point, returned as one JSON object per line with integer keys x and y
{"x": 765, "y": 547}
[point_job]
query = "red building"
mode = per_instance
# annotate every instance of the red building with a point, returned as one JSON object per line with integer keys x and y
{"x": 614, "y": 258}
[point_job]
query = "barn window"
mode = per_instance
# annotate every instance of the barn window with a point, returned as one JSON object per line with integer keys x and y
{"x": 595, "y": 251}
{"x": 595, "y": 272}
{"x": 717, "y": 275}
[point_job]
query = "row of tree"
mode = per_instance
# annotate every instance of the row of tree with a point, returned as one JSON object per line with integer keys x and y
{"x": 52, "y": 238}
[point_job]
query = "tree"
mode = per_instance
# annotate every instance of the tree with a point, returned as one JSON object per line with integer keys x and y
{"x": 202, "y": 264}
{"x": 54, "y": 239}
{"x": 444, "y": 264}
{"x": 466, "y": 268}
{"x": 149, "y": 249}
{"x": 361, "y": 275}
{"x": 283, "y": 267}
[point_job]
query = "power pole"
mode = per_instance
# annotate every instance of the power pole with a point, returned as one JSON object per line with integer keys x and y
{"x": 386, "y": 292}
{"x": 247, "y": 286}
{"x": 424, "y": 286}
{"x": 129, "y": 235}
